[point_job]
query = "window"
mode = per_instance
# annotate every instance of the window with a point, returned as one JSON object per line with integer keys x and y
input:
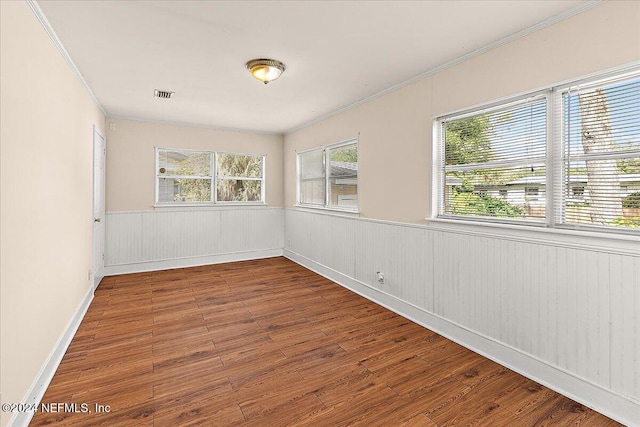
{"x": 239, "y": 178}
{"x": 578, "y": 177}
{"x": 328, "y": 177}
{"x": 186, "y": 177}
{"x": 312, "y": 178}
{"x": 489, "y": 151}
{"x": 601, "y": 151}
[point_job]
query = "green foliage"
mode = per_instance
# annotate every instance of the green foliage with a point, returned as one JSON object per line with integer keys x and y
{"x": 468, "y": 203}
{"x": 629, "y": 165}
{"x": 627, "y": 222}
{"x": 239, "y": 166}
{"x": 632, "y": 201}
{"x": 467, "y": 141}
{"x": 345, "y": 154}
{"x": 194, "y": 190}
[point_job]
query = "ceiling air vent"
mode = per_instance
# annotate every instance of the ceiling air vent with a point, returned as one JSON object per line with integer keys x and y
{"x": 163, "y": 94}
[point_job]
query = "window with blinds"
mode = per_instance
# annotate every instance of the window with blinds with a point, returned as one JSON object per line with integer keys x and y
{"x": 497, "y": 163}
{"x": 494, "y": 162}
{"x": 601, "y": 159}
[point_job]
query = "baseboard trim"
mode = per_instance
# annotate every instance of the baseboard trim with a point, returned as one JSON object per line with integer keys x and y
{"x": 593, "y": 396}
{"x": 168, "y": 264}
{"x": 39, "y": 386}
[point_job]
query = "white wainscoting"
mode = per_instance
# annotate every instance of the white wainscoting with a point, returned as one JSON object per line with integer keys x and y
{"x": 171, "y": 238}
{"x": 564, "y": 314}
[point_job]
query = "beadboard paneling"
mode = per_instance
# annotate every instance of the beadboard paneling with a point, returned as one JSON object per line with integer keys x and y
{"x": 568, "y": 308}
{"x": 155, "y": 236}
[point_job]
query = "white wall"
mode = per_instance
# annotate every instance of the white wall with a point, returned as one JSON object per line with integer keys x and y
{"x": 46, "y": 120}
{"x": 560, "y": 307}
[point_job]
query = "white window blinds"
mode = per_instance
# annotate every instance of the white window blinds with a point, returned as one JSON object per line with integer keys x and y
{"x": 494, "y": 162}
{"x": 601, "y": 159}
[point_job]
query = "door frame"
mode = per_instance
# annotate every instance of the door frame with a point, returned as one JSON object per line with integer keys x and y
{"x": 97, "y": 252}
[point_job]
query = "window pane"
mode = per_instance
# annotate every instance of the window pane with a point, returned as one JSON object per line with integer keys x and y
{"x": 494, "y": 163}
{"x": 312, "y": 177}
{"x": 179, "y": 190}
{"x": 343, "y": 176}
{"x": 239, "y": 165}
{"x": 311, "y": 164}
{"x": 183, "y": 163}
{"x": 601, "y": 134}
{"x": 515, "y": 192}
{"x": 514, "y": 134}
{"x": 239, "y": 190}
{"x": 312, "y": 191}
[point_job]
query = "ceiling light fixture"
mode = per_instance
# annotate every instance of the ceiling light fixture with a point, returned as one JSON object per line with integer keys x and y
{"x": 265, "y": 70}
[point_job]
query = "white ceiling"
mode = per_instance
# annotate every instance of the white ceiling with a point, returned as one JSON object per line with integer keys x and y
{"x": 336, "y": 52}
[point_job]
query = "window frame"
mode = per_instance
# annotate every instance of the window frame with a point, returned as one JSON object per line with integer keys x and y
{"x": 214, "y": 179}
{"x": 262, "y": 178}
{"x": 325, "y": 149}
{"x": 439, "y": 175}
{"x": 555, "y": 199}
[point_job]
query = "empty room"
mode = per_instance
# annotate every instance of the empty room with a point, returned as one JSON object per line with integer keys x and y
{"x": 320, "y": 213}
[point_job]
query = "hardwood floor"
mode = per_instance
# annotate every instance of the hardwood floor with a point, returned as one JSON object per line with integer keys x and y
{"x": 269, "y": 343}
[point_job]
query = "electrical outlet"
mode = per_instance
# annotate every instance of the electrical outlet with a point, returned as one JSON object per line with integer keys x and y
{"x": 89, "y": 275}
{"x": 380, "y": 277}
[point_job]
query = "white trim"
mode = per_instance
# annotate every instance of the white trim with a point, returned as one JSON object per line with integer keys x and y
{"x": 520, "y": 34}
{"x": 327, "y": 176}
{"x": 578, "y": 389}
{"x": 206, "y": 206}
{"x": 614, "y": 243}
{"x": 622, "y": 244}
{"x": 350, "y": 212}
{"x": 98, "y": 274}
{"x": 348, "y": 141}
{"x": 168, "y": 264}
{"x": 33, "y": 4}
{"x": 39, "y": 386}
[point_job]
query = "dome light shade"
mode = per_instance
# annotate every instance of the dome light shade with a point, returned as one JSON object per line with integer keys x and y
{"x": 265, "y": 70}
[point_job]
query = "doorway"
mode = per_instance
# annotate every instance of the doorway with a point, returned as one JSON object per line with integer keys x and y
{"x": 99, "y": 155}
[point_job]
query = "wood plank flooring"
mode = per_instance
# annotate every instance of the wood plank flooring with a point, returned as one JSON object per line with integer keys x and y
{"x": 269, "y": 343}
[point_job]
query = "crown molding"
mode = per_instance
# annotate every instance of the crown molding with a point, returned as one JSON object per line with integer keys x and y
{"x": 33, "y": 4}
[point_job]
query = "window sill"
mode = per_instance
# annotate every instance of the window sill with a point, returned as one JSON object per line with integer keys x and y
{"x": 318, "y": 209}
{"x": 213, "y": 206}
{"x": 622, "y": 243}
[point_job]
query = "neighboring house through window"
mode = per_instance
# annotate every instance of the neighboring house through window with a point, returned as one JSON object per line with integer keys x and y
{"x": 328, "y": 177}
